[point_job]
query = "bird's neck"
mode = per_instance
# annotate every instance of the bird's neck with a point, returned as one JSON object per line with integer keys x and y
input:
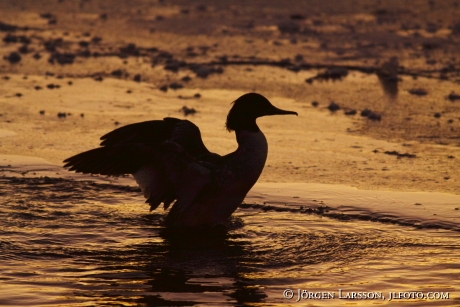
{"x": 242, "y": 123}
{"x": 251, "y": 141}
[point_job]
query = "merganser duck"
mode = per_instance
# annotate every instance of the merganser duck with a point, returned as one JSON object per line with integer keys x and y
{"x": 169, "y": 161}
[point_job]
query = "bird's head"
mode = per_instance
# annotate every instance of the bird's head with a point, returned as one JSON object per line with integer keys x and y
{"x": 247, "y": 108}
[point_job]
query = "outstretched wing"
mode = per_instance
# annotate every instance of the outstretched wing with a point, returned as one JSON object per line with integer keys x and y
{"x": 182, "y": 132}
{"x": 162, "y": 155}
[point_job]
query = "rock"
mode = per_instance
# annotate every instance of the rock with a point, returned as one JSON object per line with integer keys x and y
{"x": 13, "y": 58}
{"x": 289, "y": 27}
{"x": 453, "y": 96}
{"x": 175, "y": 86}
{"x": 333, "y": 107}
{"x": 418, "y": 92}
{"x": 62, "y": 58}
{"x": 187, "y": 111}
{"x": 351, "y": 112}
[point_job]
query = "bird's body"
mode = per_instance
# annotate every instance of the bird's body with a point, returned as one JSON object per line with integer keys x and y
{"x": 169, "y": 161}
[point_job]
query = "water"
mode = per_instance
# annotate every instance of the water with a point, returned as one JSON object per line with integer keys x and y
{"x": 78, "y": 243}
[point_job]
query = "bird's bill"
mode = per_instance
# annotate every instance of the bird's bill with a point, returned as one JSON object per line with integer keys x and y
{"x": 277, "y": 111}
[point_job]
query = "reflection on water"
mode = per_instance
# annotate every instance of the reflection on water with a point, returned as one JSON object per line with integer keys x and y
{"x": 80, "y": 244}
{"x": 388, "y": 77}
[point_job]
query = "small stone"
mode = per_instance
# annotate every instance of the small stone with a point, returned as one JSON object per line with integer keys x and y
{"x": 333, "y": 107}
{"x": 13, "y": 58}
{"x": 175, "y": 86}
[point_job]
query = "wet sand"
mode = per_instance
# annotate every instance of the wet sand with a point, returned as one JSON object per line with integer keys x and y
{"x": 375, "y": 146}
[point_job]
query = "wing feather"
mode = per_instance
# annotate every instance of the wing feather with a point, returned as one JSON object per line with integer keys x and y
{"x": 167, "y": 158}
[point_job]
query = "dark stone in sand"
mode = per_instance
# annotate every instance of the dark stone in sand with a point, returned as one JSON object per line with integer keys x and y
{"x": 201, "y": 8}
{"x": 174, "y": 65}
{"x": 42, "y": 112}
{"x": 294, "y": 68}
{"x": 188, "y": 111}
{"x": 351, "y": 112}
{"x": 334, "y": 73}
{"x": 418, "y": 92}
{"x": 62, "y": 58}
{"x": 197, "y": 95}
{"x": 333, "y": 107}
{"x": 453, "y": 96}
{"x": 175, "y": 86}
{"x": 437, "y": 115}
{"x": 38, "y": 87}
{"x": 4, "y": 27}
{"x": 62, "y": 115}
{"x": 86, "y": 54}
{"x": 18, "y": 95}
{"x": 99, "y": 78}
{"x": 371, "y": 115}
{"x": 96, "y": 39}
{"x": 69, "y": 82}
{"x": 37, "y": 56}
{"x": 288, "y": 27}
{"x": 223, "y": 58}
{"x": 47, "y": 16}
{"x": 186, "y": 79}
{"x": 315, "y": 103}
{"x": 117, "y": 73}
{"x": 297, "y": 17}
{"x": 9, "y": 38}
{"x": 129, "y": 50}
{"x": 164, "y": 55}
{"x": 164, "y": 88}
{"x": 23, "y": 49}
{"x": 51, "y": 86}
{"x": 152, "y": 49}
{"x": 13, "y": 57}
{"x": 399, "y": 155}
{"x": 103, "y": 16}
{"x": 83, "y": 44}
{"x": 203, "y": 71}
{"x": 52, "y": 44}
{"x": 82, "y": 115}
{"x": 137, "y": 78}
{"x": 430, "y": 45}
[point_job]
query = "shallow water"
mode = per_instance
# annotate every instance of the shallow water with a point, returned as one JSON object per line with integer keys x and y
{"x": 78, "y": 243}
